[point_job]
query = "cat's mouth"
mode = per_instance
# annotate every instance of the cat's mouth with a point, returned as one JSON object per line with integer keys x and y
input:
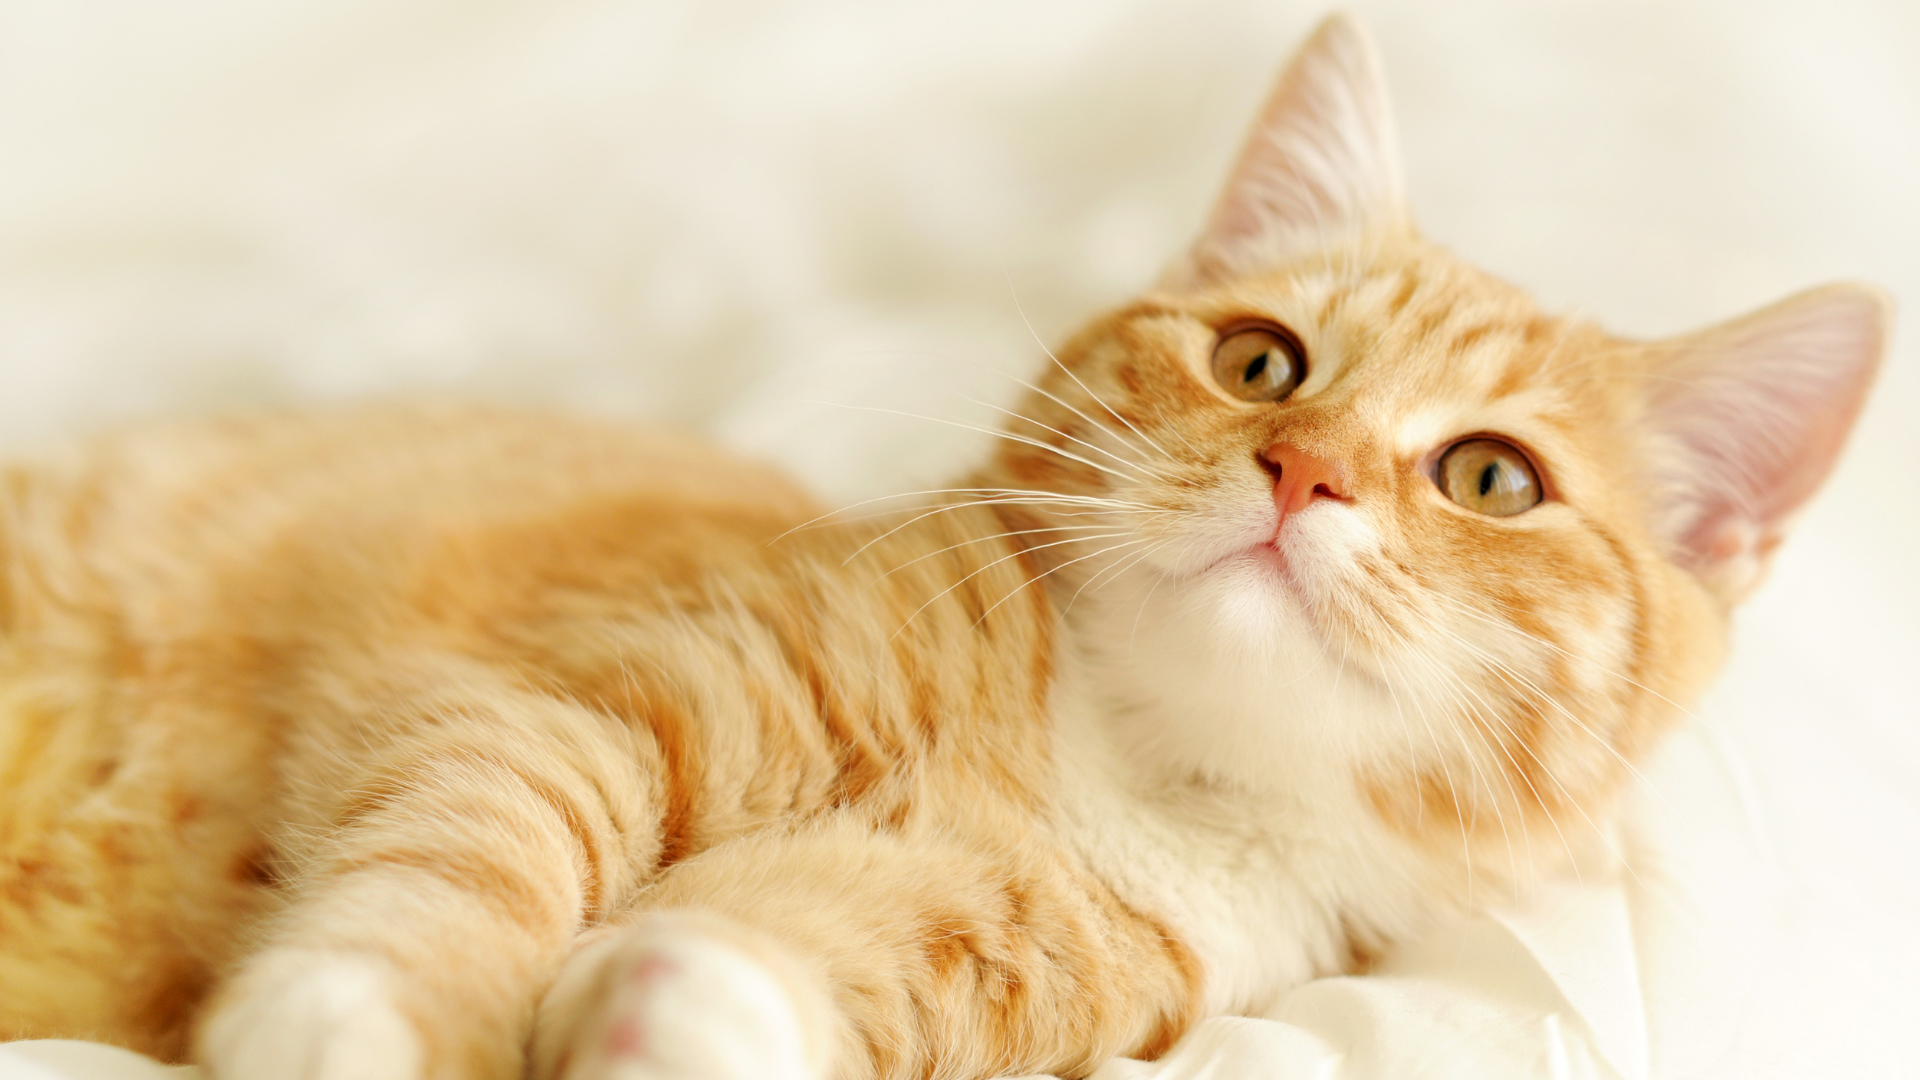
{"x": 1277, "y": 562}
{"x": 1264, "y": 561}
{"x": 1268, "y": 556}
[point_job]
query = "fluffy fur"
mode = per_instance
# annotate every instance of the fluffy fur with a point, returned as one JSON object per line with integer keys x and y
{"x": 450, "y": 743}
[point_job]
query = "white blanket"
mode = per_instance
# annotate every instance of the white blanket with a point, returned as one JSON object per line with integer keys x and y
{"x": 721, "y": 212}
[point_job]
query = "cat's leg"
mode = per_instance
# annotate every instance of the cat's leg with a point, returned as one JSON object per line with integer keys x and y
{"x": 686, "y": 993}
{"x": 840, "y": 952}
{"x": 424, "y": 929}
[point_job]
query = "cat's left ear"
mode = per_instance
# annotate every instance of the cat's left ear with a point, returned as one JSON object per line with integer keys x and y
{"x": 1320, "y": 171}
{"x": 1748, "y": 418}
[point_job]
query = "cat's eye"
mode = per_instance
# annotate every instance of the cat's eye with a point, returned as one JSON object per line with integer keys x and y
{"x": 1259, "y": 363}
{"x": 1489, "y": 477}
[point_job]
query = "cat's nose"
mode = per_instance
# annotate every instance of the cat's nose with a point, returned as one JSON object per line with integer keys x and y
{"x": 1300, "y": 477}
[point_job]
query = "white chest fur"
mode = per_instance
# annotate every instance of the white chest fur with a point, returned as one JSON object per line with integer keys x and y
{"x": 1263, "y": 885}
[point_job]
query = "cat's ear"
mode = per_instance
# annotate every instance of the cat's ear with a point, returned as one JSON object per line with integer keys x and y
{"x": 1320, "y": 169}
{"x": 1747, "y": 419}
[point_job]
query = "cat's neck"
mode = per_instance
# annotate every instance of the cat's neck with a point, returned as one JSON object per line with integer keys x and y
{"x": 1202, "y": 787}
{"x": 1267, "y": 886}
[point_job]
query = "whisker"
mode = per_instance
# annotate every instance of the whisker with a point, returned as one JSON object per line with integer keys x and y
{"x": 1521, "y": 682}
{"x": 1119, "y": 566}
{"x": 1413, "y": 756}
{"x": 1509, "y": 675}
{"x": 1134, "y": 636}
{"x": 979, "y": 502}
{"x": 1063, "y": 404}
{"x": 1453, "y": 794}
{"x": 953, "y": 491}
{"x": 1143, "y": 469}
{"x": 1109, "y": 531}
{"x": 974, "y": 574}
{"x": 1473, "y": 763}
{"x": 1602, "y": 668}
{"x": 1008, "y": 435}
{"x": 1036, "y": 578}
{"x": 878, "y": 514}
{"x": 1549, "y": 698}
{"x": 1069, "y": 372}
{"x": 1493, "y": 714}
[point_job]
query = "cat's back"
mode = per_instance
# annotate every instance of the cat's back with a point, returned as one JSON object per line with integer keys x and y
{"x": 177, "y": 598}
{"x": 181, "y": 584}
{"x": 152, "y": 514}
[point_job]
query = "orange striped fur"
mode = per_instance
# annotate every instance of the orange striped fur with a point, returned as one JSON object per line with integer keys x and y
{"x": 434, "y": 743}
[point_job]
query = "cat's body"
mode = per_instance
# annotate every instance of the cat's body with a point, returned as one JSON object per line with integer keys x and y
{"x": 392, "y": 744}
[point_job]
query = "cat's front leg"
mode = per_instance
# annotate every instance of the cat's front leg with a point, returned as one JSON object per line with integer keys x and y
{"x": 420, "y": 936}
{"x": 842, "y": 951}
{"x": 684, "y": 995}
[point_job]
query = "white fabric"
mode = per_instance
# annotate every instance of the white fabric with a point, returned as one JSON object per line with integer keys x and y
{"x": 717, "y": 211}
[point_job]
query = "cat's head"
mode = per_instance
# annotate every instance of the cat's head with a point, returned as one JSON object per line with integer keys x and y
{"x": 1373, "y": 518}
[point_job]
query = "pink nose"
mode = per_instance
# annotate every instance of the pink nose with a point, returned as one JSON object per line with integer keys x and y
{"x": 1300, "y": 477}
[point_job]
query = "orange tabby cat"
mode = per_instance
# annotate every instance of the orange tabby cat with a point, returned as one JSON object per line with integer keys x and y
{"x": 1328, "y": 589}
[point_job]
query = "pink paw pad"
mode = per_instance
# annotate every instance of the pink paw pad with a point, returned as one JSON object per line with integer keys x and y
{"x": 690, "y": 1008}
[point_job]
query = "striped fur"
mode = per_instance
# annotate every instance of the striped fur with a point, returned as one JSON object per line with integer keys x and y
{"x": 436, "y": 743}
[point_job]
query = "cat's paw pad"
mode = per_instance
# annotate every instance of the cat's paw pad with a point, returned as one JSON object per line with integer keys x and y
{"x": 667, "y": 1002}
{"x": 310, "y": 1016}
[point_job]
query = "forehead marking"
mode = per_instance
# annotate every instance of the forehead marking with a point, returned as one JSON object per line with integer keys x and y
{"x": 1423, "y": 430}
{"x": 1517, "y": 373}
{"x": 1332, "y": 305}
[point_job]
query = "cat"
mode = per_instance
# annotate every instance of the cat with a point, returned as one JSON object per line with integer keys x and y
{"x": 1328, "y": 590}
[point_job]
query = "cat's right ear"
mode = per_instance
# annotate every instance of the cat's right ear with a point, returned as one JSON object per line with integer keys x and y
{"x": 1319, "y": 171}
{"x": 1748, "y": 417}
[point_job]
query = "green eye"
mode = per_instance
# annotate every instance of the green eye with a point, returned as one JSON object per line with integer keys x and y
{"x": 1489, "y": 477}
{"x": 1260, "y": 363}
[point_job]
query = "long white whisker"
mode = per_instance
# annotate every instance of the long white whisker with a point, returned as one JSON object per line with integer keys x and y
{"x": 876, "y": 515}
{"x": 1549, "y": 698}
{"x": 1118, "y": 567}
{"x": 1453, "y": 790}
{"x": 1134, "y": 636}
{"x": 1069, "y": 372}
{"x": 1602, "y": 668}
{"x": 1090, "y": 499}
{"x": 974, "y": 574}
{"x": 1413, "y": 756}
{"x": 1487, "y": 714}
{"x": 1128, "y": 443}
{"x": 1055, "y": 569}
{"x": 957, "y": 506}
{"x": 1105, "y": 530}
{"x": 1516, "y": 680}
{"x": 1519, "y": 681}
{"x": 1473, "y": 763}
{"x": 1008, "y": 435}
{"x": 1128, "y": 462}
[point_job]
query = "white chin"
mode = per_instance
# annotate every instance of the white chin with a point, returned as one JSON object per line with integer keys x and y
{"x": 1250, "y": 600}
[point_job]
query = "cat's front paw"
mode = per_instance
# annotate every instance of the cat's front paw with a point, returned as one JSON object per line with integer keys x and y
{"x": 296, "y": 1015}
{"x": 680, "y": 997}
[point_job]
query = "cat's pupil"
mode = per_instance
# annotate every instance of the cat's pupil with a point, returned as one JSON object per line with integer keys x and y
{"x": 1258, "y": 366}
{"x": 1486, "y": 478}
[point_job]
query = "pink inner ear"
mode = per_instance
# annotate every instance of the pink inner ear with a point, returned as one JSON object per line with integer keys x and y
{"x": 1320, "y": 166}
{"x": 1759, "y": 409}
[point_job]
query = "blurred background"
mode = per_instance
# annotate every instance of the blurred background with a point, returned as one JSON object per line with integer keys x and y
{"x": 723, "y": 213}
